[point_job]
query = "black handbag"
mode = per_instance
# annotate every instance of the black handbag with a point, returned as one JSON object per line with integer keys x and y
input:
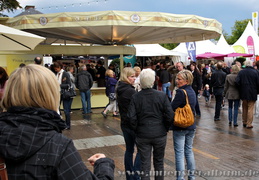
{"x": 112, "y": 96}
{"x": 67, "y": 91}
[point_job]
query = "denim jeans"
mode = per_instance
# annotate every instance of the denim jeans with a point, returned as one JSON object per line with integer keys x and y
{"x": 130, "y": 165}
{"x": 183, "y": 141}
{"x": 86, "y": 97}
{"x": 165, "y": 88}
{"x": 67, "y": 107}
{"x": 230, "y": 110}
{"x": 146, "y": 147}
{"x": 70, "y": 103}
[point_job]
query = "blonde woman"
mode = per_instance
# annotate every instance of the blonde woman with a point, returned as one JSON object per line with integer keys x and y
{"x": 110, "y": 93}
{"x": 31, "y": 140}
{"x": 137, "y": 80}
{"x": 231, "y": 92}
{"x": 183, "y": 137}
{"x": 124, "y": 92}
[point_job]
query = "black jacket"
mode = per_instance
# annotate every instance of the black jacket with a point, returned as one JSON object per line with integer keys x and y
{"x": 164, "y": 76}
{"x": 248, "y": 83}
{"x": 218, "y": 78}
{"x": 150, "y": 113}
{"x": 84, "y": 81}
{"x": 34, "y": 148}
{"x": 124, "y": 92}
{"x": 197, "y": 82}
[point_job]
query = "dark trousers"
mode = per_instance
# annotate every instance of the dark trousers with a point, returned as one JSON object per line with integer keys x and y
{"x": 132, "y": 166}
{"x": 219, "y": 99}
{"x": 197, "y": 107}
{"x": 67, "y": 107}
{"x": 145, "y": 147}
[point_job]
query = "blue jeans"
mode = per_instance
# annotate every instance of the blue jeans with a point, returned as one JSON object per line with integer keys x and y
{"x": 70, "y": 103}
{"x": 130, "y": 165}
{"x": 230, "y": 110}
{"x": 183, "y": 141}
{"x": 67, "y": 107}
{"x": 86, "y": 97}
{"x": 165, "y": 88}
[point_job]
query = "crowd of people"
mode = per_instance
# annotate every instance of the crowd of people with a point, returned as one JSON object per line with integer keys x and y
{"x": 145, "y": 99}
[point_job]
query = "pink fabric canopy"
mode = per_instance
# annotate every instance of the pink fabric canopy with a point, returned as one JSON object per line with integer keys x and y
{"x": 208, "y": 55}
{"x": 239, "y": 55}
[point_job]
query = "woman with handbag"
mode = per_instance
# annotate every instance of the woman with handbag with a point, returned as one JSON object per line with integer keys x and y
{"x": 110, "y": 93}
{"x": 70, "y": 71}
{"x": 65, "y": 82}
{"x": 183, "y": 137}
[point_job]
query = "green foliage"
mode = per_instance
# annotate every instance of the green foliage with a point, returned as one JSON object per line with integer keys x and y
{"x": 170, "y": 46}
{"x": 116, "y": 62}
{"x": 9, "y": 5}
{"x": 237, "y": 31}
{"x": 241, "y": 60}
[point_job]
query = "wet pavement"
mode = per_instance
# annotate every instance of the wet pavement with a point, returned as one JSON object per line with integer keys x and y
{"x": 222, "y": 152}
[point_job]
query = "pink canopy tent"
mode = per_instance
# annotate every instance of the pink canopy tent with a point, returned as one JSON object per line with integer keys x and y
{"x": 208, "y": 55}
{"x": 239, "y": 55}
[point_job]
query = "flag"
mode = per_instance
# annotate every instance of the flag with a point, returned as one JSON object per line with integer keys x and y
{"x": 255, "y": 21}
{"x": 191, "y": 48}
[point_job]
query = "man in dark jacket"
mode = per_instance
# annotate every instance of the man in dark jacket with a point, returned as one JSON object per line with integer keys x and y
{"x": 218, "y": 78}
{"x": 165, "y": 79}
{"x": 248, "y": 82}
{"x": 100, "y": 74}
{"x": 84, "y": 82}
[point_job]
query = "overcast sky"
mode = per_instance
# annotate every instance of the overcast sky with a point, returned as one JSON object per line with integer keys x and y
{"x": 225, "y": 11}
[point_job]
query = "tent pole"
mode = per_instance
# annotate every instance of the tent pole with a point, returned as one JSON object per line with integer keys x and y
{"x": 121, "y": 62}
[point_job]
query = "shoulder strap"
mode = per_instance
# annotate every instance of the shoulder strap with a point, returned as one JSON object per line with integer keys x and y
{"x": 3, "y": 171}
{"x": 186, "y": 96}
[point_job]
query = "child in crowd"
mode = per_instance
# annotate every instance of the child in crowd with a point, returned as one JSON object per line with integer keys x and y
{"x": 206, "y": 93}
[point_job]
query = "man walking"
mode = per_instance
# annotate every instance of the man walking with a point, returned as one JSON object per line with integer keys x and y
{"x": 165, "y": 79}
{"x": 218, "y": 78}
{"x": 248, "y": 83}
{"x": 84, "y": 82}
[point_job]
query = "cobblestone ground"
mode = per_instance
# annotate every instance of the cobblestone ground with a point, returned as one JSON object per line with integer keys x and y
{"x": 222, "y": 152}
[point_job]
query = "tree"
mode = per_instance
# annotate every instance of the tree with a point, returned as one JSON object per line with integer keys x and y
{"x": 237, "y": 31}
{"x": 170, "y": 46}
{"x": 9, "y": 5}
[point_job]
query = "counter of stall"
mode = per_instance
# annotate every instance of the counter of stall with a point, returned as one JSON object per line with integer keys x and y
{"x": 98, "y": 98}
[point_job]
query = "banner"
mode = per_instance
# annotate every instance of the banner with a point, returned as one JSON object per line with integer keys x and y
{"x": 191, "y": 48}
{"x": 250, "y": 46}
{"x": 255, "y": 21}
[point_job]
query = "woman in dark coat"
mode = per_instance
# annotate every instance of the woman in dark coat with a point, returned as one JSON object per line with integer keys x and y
{"x": 31, "y": 141}
{"x": 124, "y": 92}
{"x": 183, "y": 137}
{"x": 196, "y": 85}
{"x": 150, "y": 115}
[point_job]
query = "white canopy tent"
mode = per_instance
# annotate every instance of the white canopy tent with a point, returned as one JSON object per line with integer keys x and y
{"x": 201, "y": 47}
{"x": 222, "y": 46}
{"x": 148, "y": 50}
{"x": 153, "y": 50}
{"x": 242, "y": 45}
